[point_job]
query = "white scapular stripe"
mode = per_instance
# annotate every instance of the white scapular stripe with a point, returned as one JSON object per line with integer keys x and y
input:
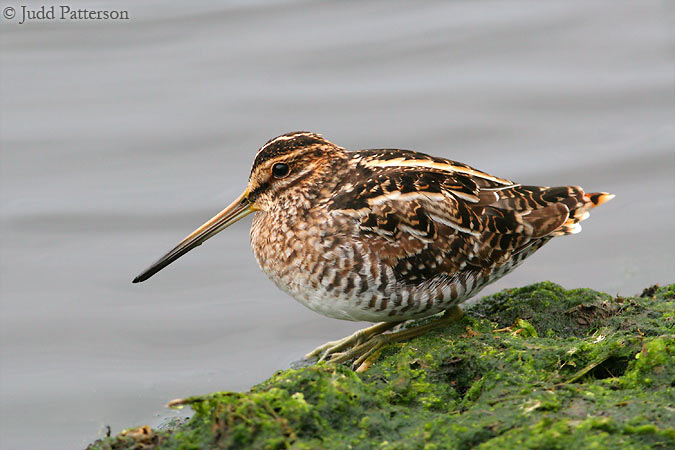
{"x": 397, "y": 195}
{"x": 403, "y": 162}
{"x": 454, "y": 225}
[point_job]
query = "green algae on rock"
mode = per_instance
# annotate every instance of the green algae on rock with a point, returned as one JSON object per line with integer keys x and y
{"x": 534, "y": 367}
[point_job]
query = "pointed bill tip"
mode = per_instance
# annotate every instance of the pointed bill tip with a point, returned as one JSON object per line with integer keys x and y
{"x": 145, "y": 275}
{"x": 241, "y": 207}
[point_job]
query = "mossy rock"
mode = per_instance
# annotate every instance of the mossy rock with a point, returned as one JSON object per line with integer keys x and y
{"x": 535, "y": 367}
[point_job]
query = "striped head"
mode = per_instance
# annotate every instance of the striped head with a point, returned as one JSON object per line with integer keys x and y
{"x": 294, "y": 166}
{"x": 293, "y": 163}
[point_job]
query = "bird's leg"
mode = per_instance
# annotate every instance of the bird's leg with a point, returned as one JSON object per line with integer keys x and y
{"x": 362, "y": 352}
{"x": 332, "y": 347}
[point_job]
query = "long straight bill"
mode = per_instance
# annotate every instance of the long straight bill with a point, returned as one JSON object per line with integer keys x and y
{"x": 239, "y": 208}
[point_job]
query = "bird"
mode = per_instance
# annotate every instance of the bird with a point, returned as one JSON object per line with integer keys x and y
{"x": 385, "y": 235}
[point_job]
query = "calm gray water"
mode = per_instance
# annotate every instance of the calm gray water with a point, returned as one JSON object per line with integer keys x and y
{"x": 118, "y": 138}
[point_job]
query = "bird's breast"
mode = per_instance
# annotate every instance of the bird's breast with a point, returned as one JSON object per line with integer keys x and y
{"x": 310, "y": 255}
{"x": 322, "y": 262}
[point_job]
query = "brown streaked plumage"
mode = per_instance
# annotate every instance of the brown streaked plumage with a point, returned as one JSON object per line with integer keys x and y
{"x": 386, "y": 235}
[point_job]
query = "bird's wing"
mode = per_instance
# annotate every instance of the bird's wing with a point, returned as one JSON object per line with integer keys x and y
{"x": 426, "y": 216}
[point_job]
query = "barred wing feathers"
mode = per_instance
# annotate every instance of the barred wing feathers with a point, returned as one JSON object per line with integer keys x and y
{"x": 427, "y": 216}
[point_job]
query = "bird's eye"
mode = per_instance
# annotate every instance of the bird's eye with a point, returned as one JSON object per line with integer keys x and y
{"x": 280, "y": 170}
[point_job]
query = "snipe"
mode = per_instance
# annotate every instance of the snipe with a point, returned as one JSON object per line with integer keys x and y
{"x": 386, "y": 235}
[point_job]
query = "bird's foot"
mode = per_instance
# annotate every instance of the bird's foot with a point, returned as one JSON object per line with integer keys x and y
{"x": 334, "y": 347}
{"x": 367, "y": 343}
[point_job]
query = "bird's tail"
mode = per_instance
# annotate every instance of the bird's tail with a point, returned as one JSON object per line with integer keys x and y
{"x": 581, "y": 211}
